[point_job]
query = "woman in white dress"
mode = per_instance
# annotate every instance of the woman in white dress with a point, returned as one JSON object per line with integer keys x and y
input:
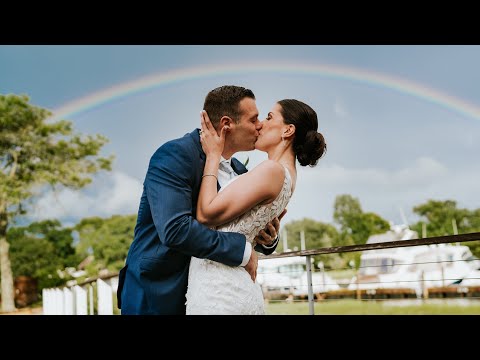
{"x": 248, "y": 202}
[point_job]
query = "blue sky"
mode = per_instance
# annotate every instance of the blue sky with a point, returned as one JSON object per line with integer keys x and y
{"x": 389, "y": 147}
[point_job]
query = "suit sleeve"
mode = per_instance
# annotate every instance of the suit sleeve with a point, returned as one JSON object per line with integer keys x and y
{"x": 168, "y": 184}
{"x": 267, "y": 250}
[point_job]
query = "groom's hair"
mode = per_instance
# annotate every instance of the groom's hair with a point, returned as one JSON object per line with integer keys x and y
{"x": 225, "y": 101}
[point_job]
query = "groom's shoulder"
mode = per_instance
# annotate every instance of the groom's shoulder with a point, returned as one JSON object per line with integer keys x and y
{"x": 184, "y": 143}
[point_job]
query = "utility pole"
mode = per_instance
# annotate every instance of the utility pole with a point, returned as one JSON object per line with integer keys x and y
{"x": 302, "y": 240}
{"x": 455, "y": 229}
{"x": 284, "y": 239}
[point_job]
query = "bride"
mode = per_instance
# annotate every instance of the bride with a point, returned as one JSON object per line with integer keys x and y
{"x": 248, "y": 202}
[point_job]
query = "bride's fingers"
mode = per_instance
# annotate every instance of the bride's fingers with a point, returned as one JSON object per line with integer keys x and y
{"x": 264, "y": 235}
{"x": 223, "y": 132}
{"x": 272, "y": 231}
{"x": 206, "y": 119}
{"x": 202, "y": 121}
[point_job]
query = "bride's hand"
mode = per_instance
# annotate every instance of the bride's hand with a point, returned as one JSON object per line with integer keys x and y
{"x": 212, "y": 143}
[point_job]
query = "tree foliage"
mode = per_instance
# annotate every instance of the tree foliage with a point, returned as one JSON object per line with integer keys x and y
{"x": 441, "y": 217}
{"x": 42, "y": 250}
{"x": 355, "y": 225}
{"x": 317, "y": 235}
{"x": 107, "y": 240}
{"x": 36, "y": 152}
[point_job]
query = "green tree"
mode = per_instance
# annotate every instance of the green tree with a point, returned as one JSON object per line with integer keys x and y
{"x": 347, "y": 210}
{"x": 317, "y": 235}
{"x": 107, "y": 240}
{"x": 35, "y": 153}
{"x": 42, "y": 250}
{"x": 355, "y": 225}
{"x": 440, "y": 217}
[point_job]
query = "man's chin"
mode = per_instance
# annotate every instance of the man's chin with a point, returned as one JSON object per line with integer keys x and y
{"x": 249, "y": 148}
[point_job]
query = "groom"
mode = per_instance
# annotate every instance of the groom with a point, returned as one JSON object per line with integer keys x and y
{"x": 154, "y": 278}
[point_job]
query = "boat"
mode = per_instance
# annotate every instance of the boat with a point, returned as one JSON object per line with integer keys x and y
{"x": 288, "y": 277}
{"x": 416, "y": 267}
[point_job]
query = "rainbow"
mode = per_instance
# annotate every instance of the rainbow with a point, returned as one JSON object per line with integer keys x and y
{"x": 333, "y": 71}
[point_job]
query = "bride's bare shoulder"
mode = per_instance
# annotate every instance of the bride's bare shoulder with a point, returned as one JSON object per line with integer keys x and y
{"x": 270, "y": 167}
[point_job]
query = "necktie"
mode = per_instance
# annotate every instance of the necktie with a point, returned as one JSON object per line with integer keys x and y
{"x": 225, "y": 166}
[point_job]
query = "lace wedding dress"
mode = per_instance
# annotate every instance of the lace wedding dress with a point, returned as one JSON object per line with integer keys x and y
{"x": 218, "y": 289}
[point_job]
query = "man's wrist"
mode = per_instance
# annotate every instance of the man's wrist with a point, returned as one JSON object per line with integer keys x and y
{"x": 246, "y": 254}
{"x": 274, "y": 243}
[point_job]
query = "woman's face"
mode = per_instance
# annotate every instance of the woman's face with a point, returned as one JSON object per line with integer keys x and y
{"x": 270, "y": 135}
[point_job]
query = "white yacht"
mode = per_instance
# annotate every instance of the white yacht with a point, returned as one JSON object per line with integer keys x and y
{"x": 415, "y": 267}
{"x": 288, "y": 276}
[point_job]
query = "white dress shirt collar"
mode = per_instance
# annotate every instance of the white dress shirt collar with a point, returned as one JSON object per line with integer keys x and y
{"x": 222, "y": 159}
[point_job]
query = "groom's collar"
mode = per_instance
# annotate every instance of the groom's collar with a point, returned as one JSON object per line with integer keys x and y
{"x": 228, "y": 161}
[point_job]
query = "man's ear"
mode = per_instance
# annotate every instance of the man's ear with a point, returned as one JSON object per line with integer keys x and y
{"x": 225, "y": 121}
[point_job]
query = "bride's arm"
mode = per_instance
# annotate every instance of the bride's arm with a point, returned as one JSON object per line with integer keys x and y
{"x": 260, "y": 185}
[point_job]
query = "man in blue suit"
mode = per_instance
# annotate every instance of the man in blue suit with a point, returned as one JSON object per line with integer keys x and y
{"x": 154, "y": 278}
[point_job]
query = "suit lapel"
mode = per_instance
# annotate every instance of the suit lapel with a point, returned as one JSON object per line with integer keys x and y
{"x": 238, "y": 167}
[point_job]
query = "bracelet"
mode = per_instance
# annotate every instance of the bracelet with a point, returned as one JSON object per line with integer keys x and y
{"x": 210, "y": 175}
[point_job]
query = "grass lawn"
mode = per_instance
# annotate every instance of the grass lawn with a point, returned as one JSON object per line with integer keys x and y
{"x": 391, "y": 307}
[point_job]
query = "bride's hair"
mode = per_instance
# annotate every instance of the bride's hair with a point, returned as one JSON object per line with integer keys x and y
{"x": 308, "y": 145}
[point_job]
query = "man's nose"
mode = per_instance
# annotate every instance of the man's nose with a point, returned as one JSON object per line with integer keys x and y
{"x": 259, "y": 125}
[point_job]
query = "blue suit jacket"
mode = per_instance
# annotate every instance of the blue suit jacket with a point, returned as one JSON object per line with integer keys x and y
{"x": 154, "y": 278}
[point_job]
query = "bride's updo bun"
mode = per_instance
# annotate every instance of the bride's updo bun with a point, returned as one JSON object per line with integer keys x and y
{"x": 309, "y": 145}
{"x": 313, "y": 148}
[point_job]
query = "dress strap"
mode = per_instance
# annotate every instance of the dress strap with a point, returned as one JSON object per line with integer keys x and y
{"x": 289, "y": 176}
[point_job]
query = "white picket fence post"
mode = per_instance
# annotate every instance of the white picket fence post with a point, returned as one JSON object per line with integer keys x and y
{"x": 81, "y": 300}
{"x": 104, "y": 298}
{"x": 69, "y": 303}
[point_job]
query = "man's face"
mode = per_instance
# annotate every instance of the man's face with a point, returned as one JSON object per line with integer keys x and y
{"x": 243, "y": 135}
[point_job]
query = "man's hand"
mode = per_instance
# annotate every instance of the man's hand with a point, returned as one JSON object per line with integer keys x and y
{"x": 269, "y": 234}
{"x": 252, "y": 265}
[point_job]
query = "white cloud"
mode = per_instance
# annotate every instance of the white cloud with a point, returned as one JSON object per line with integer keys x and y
{"x": 340, "y": 109}
{"x": 423, "y": 171}
{"x": 107, "y": 195}
{"x": 380, "y": 190}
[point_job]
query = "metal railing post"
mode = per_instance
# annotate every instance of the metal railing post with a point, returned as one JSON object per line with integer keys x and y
{"x": 311, "y": 310}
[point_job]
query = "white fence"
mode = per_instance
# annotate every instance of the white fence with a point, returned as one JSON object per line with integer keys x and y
{"x": 96, "y": 297}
